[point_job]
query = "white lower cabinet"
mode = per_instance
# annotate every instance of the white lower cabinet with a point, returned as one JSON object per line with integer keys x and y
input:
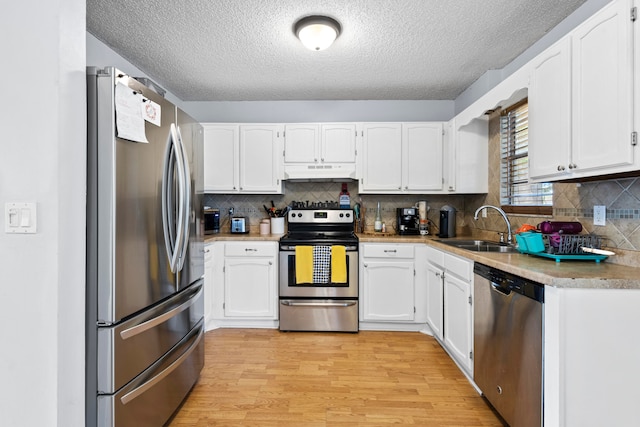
{"x": 458, "y": 320}
{"x": 450, "y": 304}
{"x": 435, "y": 298}
{"x": 245, "y": 292}
{"x": 209, "y": 280}
{"x": 388, "y": 287}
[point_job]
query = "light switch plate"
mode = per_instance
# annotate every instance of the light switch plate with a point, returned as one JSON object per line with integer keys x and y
{"x": 20, "y": 218}
{"x": 599, "y": 215}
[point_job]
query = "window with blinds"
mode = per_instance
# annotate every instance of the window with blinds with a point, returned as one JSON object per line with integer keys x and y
{"x": 517, "y": 195}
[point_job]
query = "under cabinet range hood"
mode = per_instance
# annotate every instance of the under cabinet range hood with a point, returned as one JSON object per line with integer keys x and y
{"x": 320, "y": 171}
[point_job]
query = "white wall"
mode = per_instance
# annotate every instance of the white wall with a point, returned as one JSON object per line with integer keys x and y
{"x": 43, "y": 160}
{"x": 320, "y": 111}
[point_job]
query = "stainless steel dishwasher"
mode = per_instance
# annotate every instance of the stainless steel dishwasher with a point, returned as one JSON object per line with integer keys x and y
{"x": 508, "y": 344}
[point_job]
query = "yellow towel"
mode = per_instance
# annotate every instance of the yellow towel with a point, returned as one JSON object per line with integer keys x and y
{"x": 338, "y": 264}
{"x": 304, "y": 264}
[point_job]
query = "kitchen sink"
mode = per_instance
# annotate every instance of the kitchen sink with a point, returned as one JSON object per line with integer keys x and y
{"x": 481, "y": 246}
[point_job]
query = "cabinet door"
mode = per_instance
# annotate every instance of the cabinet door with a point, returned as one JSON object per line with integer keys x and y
{"x": 221, "y": 158}
{"x": 388, "y": 291}
{"x": 338, "y": 143}
{"x": 382, "y": 157}
{"x": 466, "y": 156}
{"x": 471, "y": 156}
{"x": 301, "y": 143}
{"x": 422, "y": 145}
{"x": 249, "y": 288}
{"x": 550, "y": 112}
{"x": 435, "y": 299}
{"x": 260, "y": 156}
{"x": 458, "y": 320}
{"x": 602, "y": 89}
{"x": 208, "y": 284}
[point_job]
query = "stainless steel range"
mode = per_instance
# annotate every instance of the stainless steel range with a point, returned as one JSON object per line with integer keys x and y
{"x": 319, "y": 271}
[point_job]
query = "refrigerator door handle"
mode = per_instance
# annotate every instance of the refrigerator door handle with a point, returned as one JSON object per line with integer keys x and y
{"x": 163, "y": 374}
{"x": 151, "y": 323}
{"x": 173, "y": 157}
{"x": 186, "y": 206}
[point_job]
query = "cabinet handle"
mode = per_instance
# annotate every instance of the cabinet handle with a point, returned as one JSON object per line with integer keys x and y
{"x": 250, "y": 250}
{"x": 393, "y": 251}
{"x": 438, "y": 274}
{"x": 400, "y": 188}
{"x": 573, "y": 166}
{"x": 322, "y": 159}
{"x": 406, "y": 188}
{"x": 560, "y": 168}
{"x": 270, "y": 262}
{"x": 315, "y": 160}
{"x": 366, "y": 265}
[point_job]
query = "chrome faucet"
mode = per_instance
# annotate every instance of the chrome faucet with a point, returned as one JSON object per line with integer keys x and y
{"x": 504, "y": 216}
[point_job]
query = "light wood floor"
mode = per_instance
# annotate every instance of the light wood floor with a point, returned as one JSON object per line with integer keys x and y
{"x": 263, "y": 378}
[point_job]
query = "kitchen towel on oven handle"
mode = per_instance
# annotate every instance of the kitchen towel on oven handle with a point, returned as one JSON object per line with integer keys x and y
{"x": 338, "y": 264}
{"x": 321, "y": 264}
{"x": 304, "y": 264}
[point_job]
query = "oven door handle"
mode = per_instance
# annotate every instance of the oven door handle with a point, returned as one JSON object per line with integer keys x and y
{"x": 319, "y": 304}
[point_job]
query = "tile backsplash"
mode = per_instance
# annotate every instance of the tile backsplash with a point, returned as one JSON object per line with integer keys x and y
{"x": 251, "y": 205}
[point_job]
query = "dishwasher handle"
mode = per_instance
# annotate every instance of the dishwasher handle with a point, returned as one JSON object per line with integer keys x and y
{"x": 499, "y": 289}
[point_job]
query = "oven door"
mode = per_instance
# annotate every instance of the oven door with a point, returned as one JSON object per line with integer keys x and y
{"x": 290, "y": 289}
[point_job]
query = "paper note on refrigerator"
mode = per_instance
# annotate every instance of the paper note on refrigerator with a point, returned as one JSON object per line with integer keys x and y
{"x": 151, "y": 112}
{"x": 130, "y": 122}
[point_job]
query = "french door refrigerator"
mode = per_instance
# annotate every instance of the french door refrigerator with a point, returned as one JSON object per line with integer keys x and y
{"x": 145, "y": 253}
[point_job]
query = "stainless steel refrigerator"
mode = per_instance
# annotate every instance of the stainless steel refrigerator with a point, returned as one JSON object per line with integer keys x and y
{"x": 145, "y": 253}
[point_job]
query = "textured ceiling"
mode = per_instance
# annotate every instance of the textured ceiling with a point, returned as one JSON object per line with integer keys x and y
{"x": 244, "y": 50}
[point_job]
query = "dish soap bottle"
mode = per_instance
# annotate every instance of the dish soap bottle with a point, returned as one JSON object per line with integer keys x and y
{"x": 345, "y": 200}
{"x": 377, "y": 224}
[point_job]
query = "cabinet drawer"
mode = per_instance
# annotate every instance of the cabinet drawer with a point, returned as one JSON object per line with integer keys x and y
{"x": 261, "y": 249}
{"x": 463, "y": 268}
{"x": 387, "y": 251}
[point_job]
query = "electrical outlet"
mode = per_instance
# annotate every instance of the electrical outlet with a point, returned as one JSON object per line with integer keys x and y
{"x": 599, "y": 215}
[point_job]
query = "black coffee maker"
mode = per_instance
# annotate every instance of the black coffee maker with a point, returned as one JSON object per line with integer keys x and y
{"x": 408, "y": 221}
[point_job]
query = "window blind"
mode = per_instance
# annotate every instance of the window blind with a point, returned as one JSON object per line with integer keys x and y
{"x": 515, "y": 189}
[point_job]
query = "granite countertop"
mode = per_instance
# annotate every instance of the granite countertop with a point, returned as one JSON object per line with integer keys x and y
{"x": 565, "y": 274}
{"x": 226, "y": 237}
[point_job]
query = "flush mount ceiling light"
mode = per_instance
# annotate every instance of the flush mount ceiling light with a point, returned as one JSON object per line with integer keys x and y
{"x": 317, "y": 32}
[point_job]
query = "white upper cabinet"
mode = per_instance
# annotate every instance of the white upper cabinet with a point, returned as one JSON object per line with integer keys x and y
{"x": 550, "y": 112}
{"x": 381, "y": 158}
{"x": 221, "y": 158}
{"x": 242, "y": 158}
{"x": 260, "y": 159}
{"x": 581, "y": 100}
{"x": 467, "y": 157}
{"x": 602, "y": 89}
{"x": 399, "y": 158}
{"x": 326, "y": 150}
{"x": 422, "y": 145}
{"x": 338, "y": 143}
{"x": 301, "y": 143}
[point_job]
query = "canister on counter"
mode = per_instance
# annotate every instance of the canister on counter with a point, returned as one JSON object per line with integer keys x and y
{"x": 265, "y": 226}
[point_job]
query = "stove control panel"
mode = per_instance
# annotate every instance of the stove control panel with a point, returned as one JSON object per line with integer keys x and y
{"x": 321, "y": 216}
